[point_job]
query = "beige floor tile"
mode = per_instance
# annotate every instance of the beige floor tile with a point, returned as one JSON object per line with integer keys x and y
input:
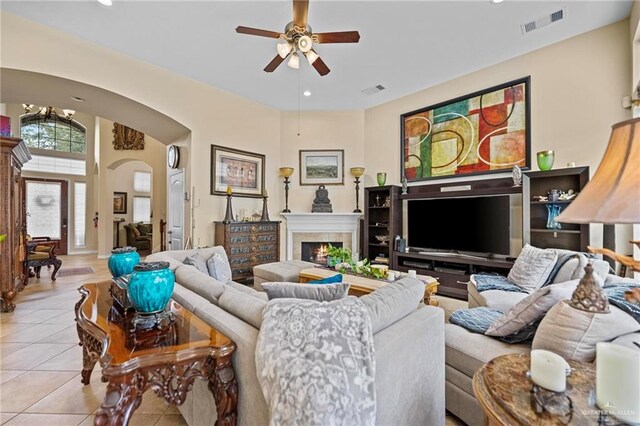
{"x": 6, "y": 375}
{"x": 72, "y": 398}
{"x": 33, "y": 333}
{"x": 152, "y": 404}
{"x": 69, "y": 360}
{"x": 10, "y": 328}
{"x": 46, "y": 419}
{"x": 136, "y": 420}
{"x": 69, "y": 317}
{"x": 9, "y": 348}
{"x": 30, "y": 387}
{"x": 171, "y": 420}
{"x": 32, "y": 355}
{"x": 68, "y": 335}
{"x": 4, "y": 417}
{"x": 172, "y": 409}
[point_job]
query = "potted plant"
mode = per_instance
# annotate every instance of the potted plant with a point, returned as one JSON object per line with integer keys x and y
{"x": 337, "y": 255}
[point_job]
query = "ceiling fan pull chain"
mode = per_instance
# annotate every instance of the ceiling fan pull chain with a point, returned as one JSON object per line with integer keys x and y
{"x": 298, "y": 94}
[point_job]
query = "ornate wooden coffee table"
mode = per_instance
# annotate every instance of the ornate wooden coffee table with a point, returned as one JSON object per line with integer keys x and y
{"x": 167, "y": 360}
{"x": 504, "y": 393}
{"x": 362, "y": 285}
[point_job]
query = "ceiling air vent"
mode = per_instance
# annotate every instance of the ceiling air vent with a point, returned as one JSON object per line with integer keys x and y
{"x": 373, "y": 90}
{"x": 556, "y": 16}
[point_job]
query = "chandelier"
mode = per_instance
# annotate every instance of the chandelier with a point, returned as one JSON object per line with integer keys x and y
{"x": 48, "y": 111}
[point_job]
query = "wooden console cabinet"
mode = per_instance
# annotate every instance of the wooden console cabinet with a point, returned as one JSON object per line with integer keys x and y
{"x": 13, "y": 273}
{"x": 248, "y": 244}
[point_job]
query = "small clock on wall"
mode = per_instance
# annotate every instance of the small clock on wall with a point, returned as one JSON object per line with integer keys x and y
{"x": 173, "y": 156}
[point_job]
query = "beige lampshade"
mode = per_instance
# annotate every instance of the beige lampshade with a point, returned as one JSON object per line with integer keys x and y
{"x": 357, "y": 171}
{"x": 286, "y": 171}
{"x": 613, "y": 194}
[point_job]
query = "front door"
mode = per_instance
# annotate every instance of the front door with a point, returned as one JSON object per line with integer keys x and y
{"x": 47, "y": 210}
{"x": 175, "y": 217}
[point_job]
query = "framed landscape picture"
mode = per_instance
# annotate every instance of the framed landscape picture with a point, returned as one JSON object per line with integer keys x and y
{"x": 322, "y": 167}
{"x": 241, "y": 170}
{"x": 484, "y": 132}
{"x": 119, "y": 203}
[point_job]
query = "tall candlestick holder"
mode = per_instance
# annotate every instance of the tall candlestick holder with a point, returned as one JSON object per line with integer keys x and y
{"x": 228, "y": 217}
{"x": 286, "y": 172}
{"x": 265, "y": 210}
{"x": 357, "y": 172}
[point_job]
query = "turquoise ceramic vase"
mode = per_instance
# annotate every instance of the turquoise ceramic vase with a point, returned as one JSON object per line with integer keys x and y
{"x": 151, "y": 286}
{"x": 122, "y": 261}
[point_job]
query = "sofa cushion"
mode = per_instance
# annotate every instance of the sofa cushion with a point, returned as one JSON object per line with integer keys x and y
{"x": 202, "y": 284}
{"x": 531, "y": 309}
{"x": 163, "y": 256}
{"x": 573, "y": 333}
{"x": 247, "y": 290}
{"x": 218, "y": 267}
{"x": 393, "y": 302}
{"x": 286, "y": 271}
{"x": 568, "y": 270}
{"x": 247, "y": 308}
{"x": 467, "y": 352}
{"x": 199, "y": 262}
{"x": 501, "y": 300}
{"x": 321, "y": 293}
{"x": 532, "y": 267}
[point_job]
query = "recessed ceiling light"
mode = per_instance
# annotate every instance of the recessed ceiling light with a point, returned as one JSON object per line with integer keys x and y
{"x": 306, "y": 93}
{"x": 497, "y": 1}
{"x": 106, "y": 2}
{"x": 78, "y": 99}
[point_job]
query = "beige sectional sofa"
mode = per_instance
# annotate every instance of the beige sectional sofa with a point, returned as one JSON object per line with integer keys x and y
{"x": 409, "y": 353}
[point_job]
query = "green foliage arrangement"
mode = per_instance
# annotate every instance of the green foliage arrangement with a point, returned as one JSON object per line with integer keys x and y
{"x": 2, "y": 237}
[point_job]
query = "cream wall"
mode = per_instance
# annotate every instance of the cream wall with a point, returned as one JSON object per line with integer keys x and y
{"x": 212, "y": 115}
{"x": 322, "y": 130}
{"x": 576, "y": 90}
{"x": 116, "y": 167}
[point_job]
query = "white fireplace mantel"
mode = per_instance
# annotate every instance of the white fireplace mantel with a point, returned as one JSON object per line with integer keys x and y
{"x": 321, "y": 223}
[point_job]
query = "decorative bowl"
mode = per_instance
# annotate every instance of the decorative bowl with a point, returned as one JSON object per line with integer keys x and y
{"x": 382, "y": 239}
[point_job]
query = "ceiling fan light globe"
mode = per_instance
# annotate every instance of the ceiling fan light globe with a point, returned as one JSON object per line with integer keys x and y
{"x": 284, "y": 49}
{"x": 311, "y": 56}
{"x": 294, "y": 61}
{"x": 305, "y": 43}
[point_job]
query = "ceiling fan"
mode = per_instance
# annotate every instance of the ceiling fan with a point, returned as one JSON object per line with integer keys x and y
{"x": 298, "y": 37}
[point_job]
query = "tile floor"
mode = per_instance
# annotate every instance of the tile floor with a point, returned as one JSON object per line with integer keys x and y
{"x": 40, "y": 360}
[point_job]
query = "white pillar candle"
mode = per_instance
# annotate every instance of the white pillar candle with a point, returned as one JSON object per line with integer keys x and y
{"x": 412, "y": 273}
{"x": 548, "y": 370}
{"x": 618, "y": 381}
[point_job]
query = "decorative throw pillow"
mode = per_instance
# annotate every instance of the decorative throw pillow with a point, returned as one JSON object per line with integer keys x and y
{"x": 198, "y": 261}
{"x": 218, "y": 267}
{"x": 329, "y": 280}
{"x": 134, "y": 228}
{"x": 600, "y": 269}
{"x": 392, "y": 302}
{"x": 532, "y": 267}
{"x": 321, "y": 293}
{"x": 573, "y": 333}
{"x": 532, "y": 308}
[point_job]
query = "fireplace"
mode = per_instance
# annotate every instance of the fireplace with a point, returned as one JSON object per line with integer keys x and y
{"x": 316, "y": 252}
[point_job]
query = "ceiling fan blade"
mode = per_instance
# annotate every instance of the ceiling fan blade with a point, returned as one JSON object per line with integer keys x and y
{"x": 274, "y": 63}
{"x": 321, "y": 67}
{"x": 300, "y": 10}
{"x": 258, "y": 32}
{"x": 338, "y": 37}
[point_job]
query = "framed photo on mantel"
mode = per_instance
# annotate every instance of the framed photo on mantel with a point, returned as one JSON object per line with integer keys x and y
{"x": 322, "y": 167}
{"x": 243, "y": 171}
{"x": 484, "y": 132}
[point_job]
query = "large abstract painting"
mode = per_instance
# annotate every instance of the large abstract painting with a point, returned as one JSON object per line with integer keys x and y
{"x": 484, "y": 132}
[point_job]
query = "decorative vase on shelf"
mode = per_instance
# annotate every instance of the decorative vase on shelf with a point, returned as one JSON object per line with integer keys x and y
{"x": 553, "y": 212}
{"x": 122, "y": 261}
{"x": 545, "y": 159}
{"x": 382, "y": 178}
{"x": 150, "y": 287}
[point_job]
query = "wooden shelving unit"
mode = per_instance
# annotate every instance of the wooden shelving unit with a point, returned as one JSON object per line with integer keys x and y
{"x": 381, "y": 219}
{"x": 534, "y": 213}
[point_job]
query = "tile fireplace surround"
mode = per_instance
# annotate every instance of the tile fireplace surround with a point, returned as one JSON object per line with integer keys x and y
{"x": 320, "y": 227}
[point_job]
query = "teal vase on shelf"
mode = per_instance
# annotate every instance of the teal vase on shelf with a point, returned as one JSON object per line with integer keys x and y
{"x": 150, "y": 287}
{"x": 545, "y": 159}
{"x": 122, "y": 261}
{"x": 553, "y": 211}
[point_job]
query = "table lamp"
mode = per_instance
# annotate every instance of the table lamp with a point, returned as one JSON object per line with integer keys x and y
{"x": 286, "y": 172}
{"x": 356, "y": 172}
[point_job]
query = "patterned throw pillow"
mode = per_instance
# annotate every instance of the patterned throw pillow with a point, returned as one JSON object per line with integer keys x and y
{"x": 321, "y": 293}
{"x": 218, "y": 268}
{"x": 532, "y": 267}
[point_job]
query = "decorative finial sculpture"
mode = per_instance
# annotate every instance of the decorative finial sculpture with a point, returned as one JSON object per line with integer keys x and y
{"x": 322, "y": 204}
{"x": 588, "y": 296}
{"x": 404, "y": 185}
{"x": 228, "y": 217}
{"x": 516, "y": 175}
{"x": 265, "y": 210}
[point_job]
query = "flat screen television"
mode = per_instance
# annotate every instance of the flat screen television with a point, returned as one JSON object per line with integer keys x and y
{"x": 473, "y": 224}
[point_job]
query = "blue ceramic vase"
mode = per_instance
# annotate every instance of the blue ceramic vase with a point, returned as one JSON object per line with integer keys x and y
{"x": 122, "y": 261}
{"x": 553, "y": 211}
{"x": 151, "y": 286}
